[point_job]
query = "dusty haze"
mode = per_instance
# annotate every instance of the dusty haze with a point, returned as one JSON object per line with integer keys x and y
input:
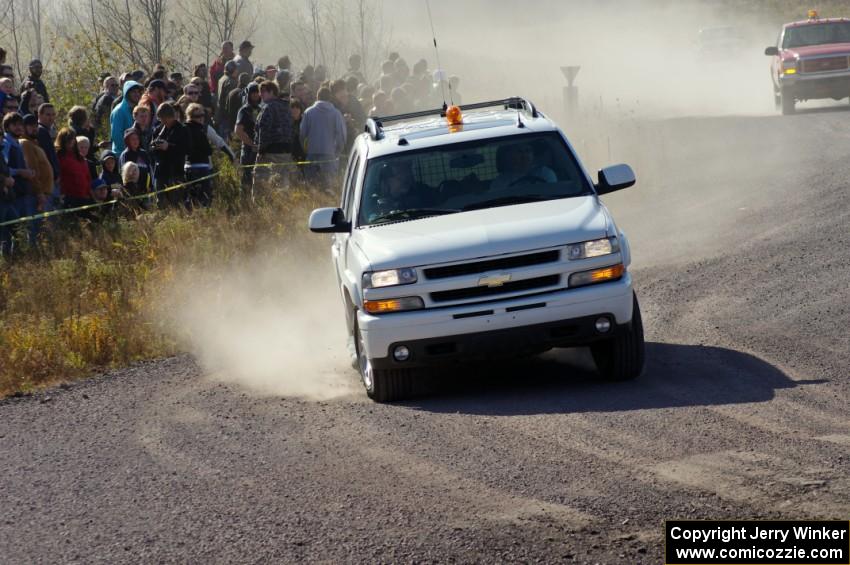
{"x": 275, "y": 323}
{"x": 272, "y": 323}
{"x": 636, "y": 55}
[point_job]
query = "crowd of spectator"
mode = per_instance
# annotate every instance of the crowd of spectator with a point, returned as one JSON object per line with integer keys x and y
{"x": 145, "y": 132}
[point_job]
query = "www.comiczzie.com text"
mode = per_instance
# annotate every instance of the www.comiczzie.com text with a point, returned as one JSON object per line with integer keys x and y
{"x": 757, "y": 542}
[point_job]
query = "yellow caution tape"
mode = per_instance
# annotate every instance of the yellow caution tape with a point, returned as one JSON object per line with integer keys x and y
{"x": 151, "y": 193}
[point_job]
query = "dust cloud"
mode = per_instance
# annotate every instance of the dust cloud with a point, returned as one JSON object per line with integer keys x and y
{"x": 273, "y": 324}
{"x": 639, "y": 57}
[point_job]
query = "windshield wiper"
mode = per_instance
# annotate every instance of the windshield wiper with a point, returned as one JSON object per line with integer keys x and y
{"x": 508, "y": 200}
{"x": 411, "y": 214}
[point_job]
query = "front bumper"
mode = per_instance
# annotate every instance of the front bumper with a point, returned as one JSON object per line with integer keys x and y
{"x": 813, "y": 86}
{"x": 576, "y": 308}
{"x": 498, "y": 344}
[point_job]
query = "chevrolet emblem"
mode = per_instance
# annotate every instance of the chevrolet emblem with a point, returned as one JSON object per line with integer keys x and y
{"x": 494, "y": 280}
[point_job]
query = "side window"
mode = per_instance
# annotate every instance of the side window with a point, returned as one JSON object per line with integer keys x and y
{"x": 351, "y": 188}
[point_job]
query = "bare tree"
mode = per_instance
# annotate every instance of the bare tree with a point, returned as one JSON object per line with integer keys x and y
{"x": 136, "y": 32}
{"x": 211, "y": 22}
{"x": 316, "y": 29}
{"x": 154, "y": 12}
{"x": 12, "y": 13}
{"x": 23, "y": 26}
{"x": 373, "y": 37}
{"x": 327, "y": 31}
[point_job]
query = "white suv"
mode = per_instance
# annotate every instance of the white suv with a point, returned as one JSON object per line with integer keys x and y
{"x": 475, "y": 232}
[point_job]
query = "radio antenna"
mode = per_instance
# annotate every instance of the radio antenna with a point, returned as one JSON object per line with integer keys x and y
{"x": 439, "y": 65}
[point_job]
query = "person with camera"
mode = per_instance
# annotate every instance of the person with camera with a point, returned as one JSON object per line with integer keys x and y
{"x": 171, "y": 143}
{"x": 198, "y": 159}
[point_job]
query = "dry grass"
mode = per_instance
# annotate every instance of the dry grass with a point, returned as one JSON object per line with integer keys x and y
{"x": 89, "y": 300}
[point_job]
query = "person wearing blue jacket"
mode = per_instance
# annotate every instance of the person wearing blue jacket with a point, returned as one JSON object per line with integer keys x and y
{"x": 24, "y": 202}
{"x": 323, "y": 134}
{"x": 121, "y": 117}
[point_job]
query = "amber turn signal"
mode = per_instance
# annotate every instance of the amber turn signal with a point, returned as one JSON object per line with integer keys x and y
{"x": 604, "y": 274}
{"x": 393, "y": 305}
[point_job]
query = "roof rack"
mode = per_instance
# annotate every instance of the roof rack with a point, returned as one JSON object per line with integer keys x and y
{"x": 375, "y": 126}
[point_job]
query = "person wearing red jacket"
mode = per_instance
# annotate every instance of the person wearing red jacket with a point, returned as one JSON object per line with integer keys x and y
{"x": 75, "y": 178}
{"x": 217, "y": 68}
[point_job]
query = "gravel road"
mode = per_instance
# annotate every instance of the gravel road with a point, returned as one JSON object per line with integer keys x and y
{"x": 740, "y": 229}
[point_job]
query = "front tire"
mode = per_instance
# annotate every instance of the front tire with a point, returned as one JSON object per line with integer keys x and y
{"x": 382, "y": 385}
{"x": 788, "y": 103}
{"x": 621, "y": 358}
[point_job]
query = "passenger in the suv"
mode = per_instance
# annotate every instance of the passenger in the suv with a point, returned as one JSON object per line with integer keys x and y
{"x": 516, "y": 166}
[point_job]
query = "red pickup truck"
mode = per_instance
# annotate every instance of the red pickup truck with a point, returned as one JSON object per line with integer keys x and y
{"x": 811, "y": 60}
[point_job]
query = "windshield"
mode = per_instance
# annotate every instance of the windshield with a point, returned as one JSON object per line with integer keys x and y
{"x": 470, "y": 176}
{"x": 816, "y": 34}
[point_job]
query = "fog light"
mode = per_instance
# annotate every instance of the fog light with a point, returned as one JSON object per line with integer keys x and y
{"x": 401, "y": 353}
{"x": 603, "y": 325}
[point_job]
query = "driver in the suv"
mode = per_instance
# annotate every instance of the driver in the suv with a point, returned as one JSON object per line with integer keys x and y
{"x": 398, "y": 189}
{"x": 516, "y": 167}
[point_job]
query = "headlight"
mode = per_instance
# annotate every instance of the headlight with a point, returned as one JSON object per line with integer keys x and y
{"x": 789, "y": 67}
{"x": 595, "y": 248}
{"x": 393, "y": 277}
{"x": 393, "y": 305}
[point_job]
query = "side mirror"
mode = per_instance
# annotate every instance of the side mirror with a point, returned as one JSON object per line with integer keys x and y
{"x": 771, "y": 51}
{"x": 329, "y": 220}
{"x": 615, "y": 177}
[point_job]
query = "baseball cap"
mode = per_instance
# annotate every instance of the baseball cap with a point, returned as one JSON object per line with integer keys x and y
{"x": 246, "y": 45}
{"x": 157, "y": 83}
{"x": 130, "y": 131}
{"x": 30, "y": 120}
{"x": 97, "y": 183}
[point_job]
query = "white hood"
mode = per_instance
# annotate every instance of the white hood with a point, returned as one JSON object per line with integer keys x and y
{"x": 482, "y": 233}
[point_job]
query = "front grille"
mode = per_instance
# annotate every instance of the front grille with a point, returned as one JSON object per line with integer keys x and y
{"x": 492, "y": 265}
{"x": 485, "y": 291}
{"x": 825, "y": 64}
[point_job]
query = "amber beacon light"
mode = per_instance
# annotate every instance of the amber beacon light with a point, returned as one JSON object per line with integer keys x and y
{"x": 454, "y": 116}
